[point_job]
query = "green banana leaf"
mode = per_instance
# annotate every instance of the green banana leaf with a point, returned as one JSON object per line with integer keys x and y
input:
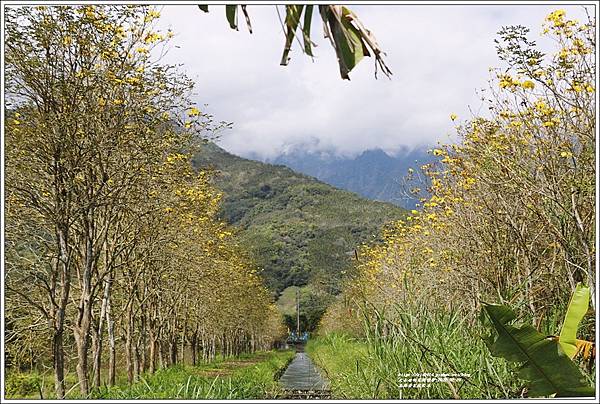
{"x": 578, "y": 306}
{"x": 231, "y": 14}
{"x": 306, "y": 30}
{"x": 344, "y": 37}
{"x": 543, "y": 363}
{"x": 347, "y": 35}
{"x": 292, "y": 19}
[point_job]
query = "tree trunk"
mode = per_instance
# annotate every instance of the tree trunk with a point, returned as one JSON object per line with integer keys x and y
{"x": 112, "y": 354}
{"x": 63, "y": 266}
{"x": 59, "y": 364}
{"x": 129, "y": 347}
{"x": 143, "y": 357}
{"x": 194, "y": 342}
{"x": 152, "y": 353}
{"x": 183, "y": 347}
{"x": 161, "y": 354}
{"x": 81, "y": 340}
{"x": 84, "y": 322}
{"x": 96, "y": 351}
{"x": 173, "y": 350}
{"x": 98, "y": 335}
{"x": 136, "y": 361}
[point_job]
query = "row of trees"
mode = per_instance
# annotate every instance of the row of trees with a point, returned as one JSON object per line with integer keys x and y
{"x": 511, "y": 214}
{"x": 112, "y": 240}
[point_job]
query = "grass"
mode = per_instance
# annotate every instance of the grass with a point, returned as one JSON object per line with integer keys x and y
{"x": 246, "y": 377}
{"x": 430, "y": 342}
{"x": 341, "y": 358}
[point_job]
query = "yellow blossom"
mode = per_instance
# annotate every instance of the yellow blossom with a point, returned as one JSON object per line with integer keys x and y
{"x": 528, "y": 84}
{"x": 507, "y": 81}
{"x": 153, "y": 37}
{"x": 532, "y": 62}
{"x": 152, "y": 14}
{"x": 563, "y": 54}
{"x": 556, "y": 17}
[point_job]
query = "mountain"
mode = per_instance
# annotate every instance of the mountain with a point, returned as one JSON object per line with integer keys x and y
{"x": 297, "y": 228}
{"x": 373, "y": 174}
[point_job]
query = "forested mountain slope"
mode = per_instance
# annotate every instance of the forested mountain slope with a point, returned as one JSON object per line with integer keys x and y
{"x": 297, "y": 228}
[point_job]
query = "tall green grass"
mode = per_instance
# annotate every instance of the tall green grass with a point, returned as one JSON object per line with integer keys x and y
{"x": 342, "y": 360}
{"x": 419, "y": 342}
{"x": 256, "y": 381}
{"x": 251, "y": 376}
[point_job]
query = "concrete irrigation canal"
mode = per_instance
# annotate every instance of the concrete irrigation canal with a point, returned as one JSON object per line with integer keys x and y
{"x": 302, "y": 379}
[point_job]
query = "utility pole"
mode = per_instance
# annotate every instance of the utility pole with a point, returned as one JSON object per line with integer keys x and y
{"x": 298, "y": 313}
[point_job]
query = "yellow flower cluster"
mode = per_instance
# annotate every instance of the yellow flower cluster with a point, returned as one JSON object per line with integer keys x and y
{"x": 152, "y": 15}
{"x": 557, "y": 18}
{"x": 543, "y": 108}
{"x": 153, "y": 37}
{"x": 528, "y": 84}
{"x": 507, "y": 81}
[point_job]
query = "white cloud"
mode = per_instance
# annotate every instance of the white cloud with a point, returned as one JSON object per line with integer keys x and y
{"x": 439, "y": 55}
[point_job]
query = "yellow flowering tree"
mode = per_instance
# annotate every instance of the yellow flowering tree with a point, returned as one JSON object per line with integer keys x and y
{"x": 512, "y": 208}
{"x": 110, "y": 233}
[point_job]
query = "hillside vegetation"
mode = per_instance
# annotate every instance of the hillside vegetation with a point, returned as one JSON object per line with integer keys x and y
{"x": 297, "y": 228}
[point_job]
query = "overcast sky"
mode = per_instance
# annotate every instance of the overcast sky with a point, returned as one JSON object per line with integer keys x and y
{"x": 440, "y": 56}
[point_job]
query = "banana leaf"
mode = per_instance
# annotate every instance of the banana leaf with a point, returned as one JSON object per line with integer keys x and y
{"x": 344, "y": 37}
{"x": 578, "y": 306}
{"x": 306, "y": 30}
{"x": 292, "y": 19}
{"x": 231, "y": 14}
{"x": 585, "y": 349}
{"x": 346, "y": 33}
{"x": 543, "y": 363}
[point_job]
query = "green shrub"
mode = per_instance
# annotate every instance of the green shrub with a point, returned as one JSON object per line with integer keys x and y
{"x": 21, "y": 384}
